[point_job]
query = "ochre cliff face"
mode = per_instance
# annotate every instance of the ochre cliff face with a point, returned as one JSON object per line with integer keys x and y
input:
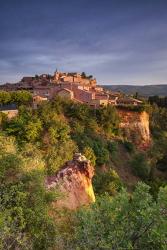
{"x": 135, "y": 126}
{"x": 74, "y": 182}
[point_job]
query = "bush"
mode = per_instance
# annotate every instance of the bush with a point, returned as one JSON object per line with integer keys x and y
{"x": 129, "y": 146}
{"x": 108, "y": 119}
{"x": 140, "y": 166}
{"x": 89, "y": 154}
{"x": 162, "y": 164}
{"x": 107, "y": 182}
{"x": 137, "y": 108}
{"x": 121, "y": 222}
{"x": 112, "y": 146}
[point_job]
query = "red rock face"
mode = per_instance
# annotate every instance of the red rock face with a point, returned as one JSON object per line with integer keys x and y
{"x": 135, "y": 126}
{"x": 74, "y": 182}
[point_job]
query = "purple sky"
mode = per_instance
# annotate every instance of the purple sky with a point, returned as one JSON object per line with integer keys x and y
{"x": 118, "y": 41}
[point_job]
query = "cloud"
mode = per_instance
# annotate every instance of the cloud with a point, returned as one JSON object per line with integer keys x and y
{"x": 117, "y": 41}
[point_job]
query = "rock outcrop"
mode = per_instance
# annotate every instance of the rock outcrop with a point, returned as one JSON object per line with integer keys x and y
{"x": 135, "y": 126}
{"x": 74, "y": 182}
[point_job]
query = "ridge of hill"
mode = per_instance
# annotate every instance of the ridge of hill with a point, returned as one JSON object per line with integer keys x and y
{"x": 145, "y": 90}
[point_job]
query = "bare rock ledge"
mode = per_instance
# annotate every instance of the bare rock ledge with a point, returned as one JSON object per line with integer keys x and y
{"x": 74, "y": 181}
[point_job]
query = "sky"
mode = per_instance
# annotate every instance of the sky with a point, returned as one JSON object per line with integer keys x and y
{"x": 116, "y": 41}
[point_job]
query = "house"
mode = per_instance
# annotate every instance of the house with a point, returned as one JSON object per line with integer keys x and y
{"x": 128, "y": 101}
{"x": 38, "y": 99}
{"x": 66, "y": 93}
{"x": 42, "y": 91}
{"x": 101, "y": 96}
{"x": 27, "y": 79}
{"x": 113, "y": 99}
{"x": 9, "y": 109}
{"x": 99, "y": 103}
{"x": 43, "y": 76}
{"x": 83, "y": 95}
{"x": 74, "y": 78}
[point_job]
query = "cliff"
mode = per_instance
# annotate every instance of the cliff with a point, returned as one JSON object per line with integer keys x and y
{"x": 74, "y": 182}
{"x": 135, "y": 127}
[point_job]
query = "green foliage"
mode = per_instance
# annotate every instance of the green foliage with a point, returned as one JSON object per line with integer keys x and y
{"x": 58, "y": 131}
{"x": 18, "y": 97}
{"x": 81, "y": 112}
{"x": 89, "y": 154}
{"x": 122, "y": 222}
{"x": 5, "y": 97}
{"x": 3, "y": 118}
{"x": 21, "y": 97}
{"x": 101, "y": 152}
{"x": 162, "y": 164}
{"x": 33, "y": 130}
{"x": 129, "y": 146}
{"x": 7, "y": 145}
{"x": 10, "y": 165}
{"x": 135, "y": 108}
{"x": 108, "y": 119}
{"x": 57, "y": 155}
{"x": 112, "y": 147}
{"x": 160, "y": 101}
{"x": 107, "y": 182}
{"x": 155, "y": 185}
{"x": 39, "y": 142}
{"x": 158, "y": 119}
{"x": 140, "y": 166}
{"x": 24, "y": 220}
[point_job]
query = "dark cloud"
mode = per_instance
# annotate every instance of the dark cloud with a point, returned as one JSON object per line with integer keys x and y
{"x": 119, "y": 41}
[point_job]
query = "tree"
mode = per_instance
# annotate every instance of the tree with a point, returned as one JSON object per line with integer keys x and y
{"x": 36, "y": 77}
{"x": 123, "y": 222}
{"x": 21, "y": 97}
{"x": 24, "y": 219}
{"x": 83, "y": 75}
{"x": 58, "y": 154}
{"x": 107, "y": 182}
{"x": 108, "y": 118}
{"x": 33, "y": 130}
{"x": 162, "y": 164}
{"x": 90, "y": 77}
{"x": 89, "y": 154}
{"x": 5, "y": 97}
{"x": 140, "y": 166}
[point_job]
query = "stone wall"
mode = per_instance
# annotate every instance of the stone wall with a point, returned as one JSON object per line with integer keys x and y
{"x": 10, "y": 113}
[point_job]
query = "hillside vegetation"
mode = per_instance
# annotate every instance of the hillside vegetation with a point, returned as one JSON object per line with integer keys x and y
{"x": 37, "y": 143}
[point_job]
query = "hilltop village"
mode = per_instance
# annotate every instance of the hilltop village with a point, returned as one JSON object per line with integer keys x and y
{"x": 74, "y": 86}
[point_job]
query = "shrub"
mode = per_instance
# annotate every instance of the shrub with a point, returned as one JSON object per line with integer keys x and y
{"x": 137, "y": 108}
{"x": 122, "y": 222}
{"x": 140, "y": 166}
{"x": 112, "y": 146}
{"x": 162, "y": 164}
{"x": 107, "y": 182}
{"x": 128, "y": 146}
{"x": 89, "y": 154}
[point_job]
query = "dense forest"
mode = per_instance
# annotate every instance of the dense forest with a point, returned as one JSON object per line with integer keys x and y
{"x": 38, "y": 142}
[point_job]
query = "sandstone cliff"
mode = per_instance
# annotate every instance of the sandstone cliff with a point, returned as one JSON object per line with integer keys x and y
{"x": 135, "y": 126}
{"x": 74, "y": 182}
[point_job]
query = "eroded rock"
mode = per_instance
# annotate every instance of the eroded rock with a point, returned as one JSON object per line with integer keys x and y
{"x": 74, "y": 181}
{"x": 135, "y": 126}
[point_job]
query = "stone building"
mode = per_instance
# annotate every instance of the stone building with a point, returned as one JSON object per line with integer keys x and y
{"x": 66, "y": 93}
